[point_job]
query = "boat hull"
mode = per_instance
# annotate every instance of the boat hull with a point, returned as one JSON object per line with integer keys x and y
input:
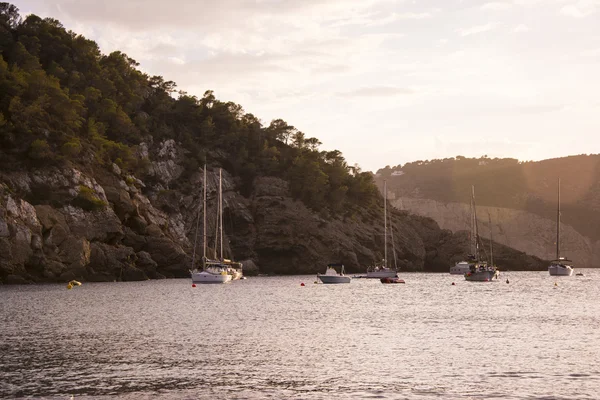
{"x": 381, "y": 274}
{"x": 560, "y": 270}
{"x": 480, "y": 276}
{"x": 334, "y": 279}
{"x": 207, "y": 277}
{"x": 460, "y": 268}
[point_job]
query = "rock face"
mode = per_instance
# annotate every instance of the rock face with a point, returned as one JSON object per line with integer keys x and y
{"x": 104, "y": 224}
{"x": 520, "y": 230}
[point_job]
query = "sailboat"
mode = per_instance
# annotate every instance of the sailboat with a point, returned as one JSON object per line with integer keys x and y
{"x": 462, "y": 267}
{"x": 213, "y": 271}
{"x": 480, "y": 270}
{"x": 381, "y": 270}
{"x": 560, "y": 266}
{"x": 234, "y": 268}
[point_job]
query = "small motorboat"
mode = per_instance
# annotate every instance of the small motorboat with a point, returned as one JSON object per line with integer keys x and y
{"x": 395, "y": 279}
{"x": 332, "y": 276}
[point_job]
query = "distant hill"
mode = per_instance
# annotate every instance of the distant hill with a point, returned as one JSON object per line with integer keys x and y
{"x": 503, "y": 184}
{"x": 506, "y": 182}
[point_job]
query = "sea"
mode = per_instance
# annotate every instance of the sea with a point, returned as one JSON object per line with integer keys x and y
{"x": 526, "y": 335}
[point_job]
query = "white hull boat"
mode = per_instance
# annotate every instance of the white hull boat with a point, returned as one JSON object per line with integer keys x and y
{"x": 561, "y": 266}
{"x": 481, "y": 273}
{"x": 208, "y": 276}
{"x": 460, "y": 268}
{"x": 478, "y": 270}
{"x": 560, "y": 269}
{"x": 332, "y": 276}
{"x": 381, "y": 270}
{"x": 214, "y": 271}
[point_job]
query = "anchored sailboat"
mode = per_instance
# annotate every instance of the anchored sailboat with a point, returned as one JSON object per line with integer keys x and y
{"x": 213, "y": 271}
{"x": 462, "y": 267}
{"x": 480, "y": 270}
{"x": 381, "y": 270}
{"x": 560, "y": 266}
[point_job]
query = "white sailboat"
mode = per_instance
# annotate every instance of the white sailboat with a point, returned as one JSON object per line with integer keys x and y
{"x": 560, "y": 266}
{"x": 462, "y": 267}
{"x": 480, "y": 270}
{"x": 234, "y": 268}
{"x": 381, "y": 270}
{"x": 332, "y": 276}
{"x": 213, "y": 271}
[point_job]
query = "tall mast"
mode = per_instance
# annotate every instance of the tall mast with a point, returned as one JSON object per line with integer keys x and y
{"x": 221, "y": 211}
{"x": 196, "y": 231}
{"x": 204, "y": 221}
{"x": 491, "y": 240}
{"x": 558, "y": 224}
{"x": 216, "y": 228}
{"x": 385, "y": 223}
{"x": 393, "y": 245}
{"x": 476, "y": 233}
{"x": 472, "y": 226}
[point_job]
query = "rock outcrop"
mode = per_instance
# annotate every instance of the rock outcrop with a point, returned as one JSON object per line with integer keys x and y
{"x": 520, "y": 230}
{"x": 102, "y": 224}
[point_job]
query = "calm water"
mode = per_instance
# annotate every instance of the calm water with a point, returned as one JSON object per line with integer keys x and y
{"x": 271, "y": 338}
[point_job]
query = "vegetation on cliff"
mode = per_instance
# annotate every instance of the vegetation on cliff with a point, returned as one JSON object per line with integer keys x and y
{"x": 62, "y": 100}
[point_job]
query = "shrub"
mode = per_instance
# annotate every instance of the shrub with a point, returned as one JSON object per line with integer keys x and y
{"x": 40, "y": 150}
{"x": 87, "y": 200}
{"x": 72, "y": 148}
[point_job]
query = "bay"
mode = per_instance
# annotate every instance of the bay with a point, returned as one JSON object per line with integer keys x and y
{"x": 536, "y": 337}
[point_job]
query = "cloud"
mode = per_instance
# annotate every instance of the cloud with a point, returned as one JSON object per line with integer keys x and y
{"x": 591, "y": 52}
{"x": 521, "y": 28}
{"x": 496, "y": 6}
{"x": 580, "y": 9}
{"x": 377, "y": 91}
{"x": 476, "y": 29}
{"x": 572, "y": 11}
{"x": 204, "y": 15}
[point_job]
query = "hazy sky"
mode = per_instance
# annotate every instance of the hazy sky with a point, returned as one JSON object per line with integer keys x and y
{"x": 383, "y": 81}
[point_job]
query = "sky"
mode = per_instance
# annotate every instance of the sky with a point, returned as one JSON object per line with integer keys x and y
{"x": 384, "y": 81}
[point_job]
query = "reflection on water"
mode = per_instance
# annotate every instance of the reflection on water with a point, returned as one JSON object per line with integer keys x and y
{"x": 272, "y": 338}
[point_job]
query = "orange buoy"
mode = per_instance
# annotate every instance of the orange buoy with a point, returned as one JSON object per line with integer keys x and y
{"x": 302, "y": 284}
{"x": 193, "y": 285}
{"x": 453, "y": 284}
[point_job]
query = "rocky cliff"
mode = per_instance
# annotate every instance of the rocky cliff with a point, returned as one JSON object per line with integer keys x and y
{"x": 101, "y": 224}
{"x": 518, "y": 229}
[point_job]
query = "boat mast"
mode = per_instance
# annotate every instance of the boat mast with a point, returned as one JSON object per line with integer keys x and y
{"x": 475, "y": 224}
{"x": 393, "y": 244}
{"x": 217, "y": 223}
{"x": 384, "y": 224}
{"x": 472, "y": 231}
{"x": 221, "y": 211}
{"x": 204, "y": 222}
{"x": 558, "y": 223}
{"x": 196, "y": 231}
{"x": 491, "y": 240}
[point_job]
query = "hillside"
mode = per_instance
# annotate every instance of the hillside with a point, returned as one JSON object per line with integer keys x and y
{"x": 521, "y": 195}
{"x": 101, "y": 175}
